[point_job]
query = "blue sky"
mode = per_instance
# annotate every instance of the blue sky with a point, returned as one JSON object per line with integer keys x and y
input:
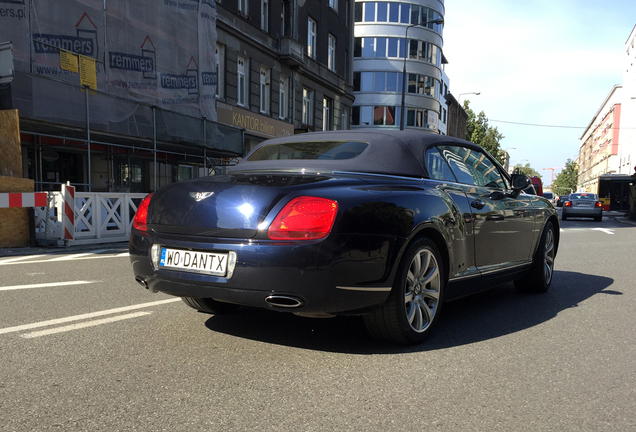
{"x": 544, "y": 62}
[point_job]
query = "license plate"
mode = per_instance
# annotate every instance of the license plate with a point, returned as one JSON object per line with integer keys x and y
{"x": 199, "y": 262}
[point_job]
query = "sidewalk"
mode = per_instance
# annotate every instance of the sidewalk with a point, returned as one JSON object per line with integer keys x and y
{"x": 43, "y": 250}
{"x": 619, "y": 216}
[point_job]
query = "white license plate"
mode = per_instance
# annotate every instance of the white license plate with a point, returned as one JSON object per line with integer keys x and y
{"x": 199, "y": 262}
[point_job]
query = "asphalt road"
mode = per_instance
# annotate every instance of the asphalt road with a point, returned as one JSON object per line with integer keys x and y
{"x": 83, "y": 347}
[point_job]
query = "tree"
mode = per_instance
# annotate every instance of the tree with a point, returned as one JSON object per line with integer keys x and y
{"x": 527, "y": 170}
{"x": 567, "y": 180}
{"x": 478, "y": 131}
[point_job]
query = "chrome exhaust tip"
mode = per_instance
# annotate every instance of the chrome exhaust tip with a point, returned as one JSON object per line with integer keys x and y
{"x": 282, "y": 301}
{"x": 141, "y": 282}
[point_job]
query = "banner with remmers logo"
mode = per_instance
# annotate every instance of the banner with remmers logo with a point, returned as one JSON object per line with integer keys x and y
{"x": 158, "y": 52}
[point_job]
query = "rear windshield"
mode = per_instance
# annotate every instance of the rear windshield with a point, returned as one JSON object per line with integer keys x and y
{"x": 324, "y": 150}
{"x": 590, "y": 197}
{"x": 548, "y": 195}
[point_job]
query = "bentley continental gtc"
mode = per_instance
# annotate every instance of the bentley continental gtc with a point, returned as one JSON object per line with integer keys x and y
{"x": 386, "y": 225}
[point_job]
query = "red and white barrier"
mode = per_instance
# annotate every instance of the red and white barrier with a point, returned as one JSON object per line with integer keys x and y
{"x": 23, "y": 199}
{"x": 68, "y": 192}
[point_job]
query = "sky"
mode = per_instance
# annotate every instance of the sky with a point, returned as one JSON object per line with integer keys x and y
{"x": 542, "y": 62}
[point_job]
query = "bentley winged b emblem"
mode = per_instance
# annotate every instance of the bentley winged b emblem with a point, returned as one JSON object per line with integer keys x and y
{"x": 199, "y": 196}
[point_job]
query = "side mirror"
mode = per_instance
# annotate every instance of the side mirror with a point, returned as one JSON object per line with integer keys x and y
{"x": 520, "y": 181}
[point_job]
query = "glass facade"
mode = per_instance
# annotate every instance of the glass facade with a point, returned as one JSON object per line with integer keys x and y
{"x": 393, "y": 12}
{"x": 390, "y": 34}
{"x": 388, "y": 47}
{"x": 391, "y": 82}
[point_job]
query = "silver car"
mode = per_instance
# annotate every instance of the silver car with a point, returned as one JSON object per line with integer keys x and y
{"x": 583, "y": 204}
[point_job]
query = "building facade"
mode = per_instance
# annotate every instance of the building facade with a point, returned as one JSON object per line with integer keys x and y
{"x": 128, "y": 96}
{"x": 391, "y": 37}
{"x": 627, "y": 150}
{"x": 284, "y": 66}
{"x": 601, "y": 142}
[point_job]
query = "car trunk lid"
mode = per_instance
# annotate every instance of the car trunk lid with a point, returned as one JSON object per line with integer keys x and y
{"x": 224, "y": 206}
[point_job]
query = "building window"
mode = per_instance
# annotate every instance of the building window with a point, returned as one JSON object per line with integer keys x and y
{"x": 327, "y": 112}
{"x": 282, "y": 98}
{"x": 380, "y": 116}
{"x": 308, "y": 107}
{"x": 219, "y": 69}
{"x": 311, "y": 38}
{"x": 242, "y": 6}
{"x": 331, "y": 61}
{"x": 282, "y": 18}
{"x": 333, "y": 4}
{"x": 345, "y": 118}
{"x": 265, "y": 15}
{"x": 241, "y": 82}
{"x": 264, "y": 87}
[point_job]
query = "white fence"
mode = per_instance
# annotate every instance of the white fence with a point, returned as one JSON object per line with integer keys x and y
{"x": 99, "y": 218}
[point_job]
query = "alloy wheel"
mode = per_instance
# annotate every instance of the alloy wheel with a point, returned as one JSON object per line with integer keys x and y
{"x": 422, "y": 293}
{"x": 548, "y": 261}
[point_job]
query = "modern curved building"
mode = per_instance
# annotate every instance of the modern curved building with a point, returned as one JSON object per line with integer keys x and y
{"x": 388, "y": 35}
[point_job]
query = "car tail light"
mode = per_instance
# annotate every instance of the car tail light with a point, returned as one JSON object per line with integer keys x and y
{"x": 141, "y": 216}
{"x": 598, "y": 204}
{"x": 304, "y": 218}
{"x": 568, "y": 204}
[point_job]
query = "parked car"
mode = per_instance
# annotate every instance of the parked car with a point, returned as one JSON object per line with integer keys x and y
{"x": 582, "y": 204}
{"x": 383, "y": 224}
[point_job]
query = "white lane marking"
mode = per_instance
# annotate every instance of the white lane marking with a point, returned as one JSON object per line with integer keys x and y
{"x": 123, "y": 254}
{"x": 84, "y": 316}
{"x": 69, "y": 257}
{"x": 605, "y": 230}
{"x": 56, "y": 259}
{"x": 83, "y": 325}
{"x": 11, "y": 260}
{"x": 45, "y": 285}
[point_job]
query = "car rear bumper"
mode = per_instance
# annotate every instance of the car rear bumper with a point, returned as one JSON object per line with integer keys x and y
{"x": 346, "y": 274}
{"x": 594, "y": 212}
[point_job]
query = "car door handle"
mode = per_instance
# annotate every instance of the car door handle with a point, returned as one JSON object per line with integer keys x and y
{"x": 478, "y": 204}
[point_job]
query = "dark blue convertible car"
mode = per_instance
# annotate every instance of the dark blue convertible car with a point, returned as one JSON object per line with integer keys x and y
{"x": 383, "y": 224}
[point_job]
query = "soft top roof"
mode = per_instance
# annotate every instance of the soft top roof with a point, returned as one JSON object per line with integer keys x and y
{"x": 392, "y": 152}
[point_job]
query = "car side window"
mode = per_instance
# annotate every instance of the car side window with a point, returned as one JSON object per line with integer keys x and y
{"x": 437, "y": 167}
{"x": 490, "y": 174}
{"x": 473, "y": 167}
{"x": 456, "y": 157}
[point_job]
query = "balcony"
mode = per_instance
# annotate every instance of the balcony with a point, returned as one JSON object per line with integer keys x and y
{"x": 291, "y": 52}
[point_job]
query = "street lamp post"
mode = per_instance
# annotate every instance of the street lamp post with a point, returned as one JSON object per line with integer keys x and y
{"x": 406, "y": 42}
{"x": 459, "y": 105}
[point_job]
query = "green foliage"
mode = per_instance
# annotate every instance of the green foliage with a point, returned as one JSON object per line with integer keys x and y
{"x": 527, "y": 170}
{"x": 479, "y": 132}
{"x": 566, "y": 182}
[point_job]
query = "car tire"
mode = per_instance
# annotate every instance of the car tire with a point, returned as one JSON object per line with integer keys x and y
{"x": 414, "y": 305}
{"x": 539, "y": 278}
{"x": 210, "y": 306}
{"x": 563, "y": 216}
{"x": 598, "y": 219}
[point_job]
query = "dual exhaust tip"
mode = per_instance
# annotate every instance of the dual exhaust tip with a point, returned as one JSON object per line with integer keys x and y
{"x": 283, "y": 301}
{"x": 279, "y": 301}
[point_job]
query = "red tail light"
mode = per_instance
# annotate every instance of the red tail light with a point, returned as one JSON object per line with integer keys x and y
{"x": 141, "y": 216}
{"x": 304, "y": 218}
{"x": 598, "y": 204}
{"x": 568, "y": 204}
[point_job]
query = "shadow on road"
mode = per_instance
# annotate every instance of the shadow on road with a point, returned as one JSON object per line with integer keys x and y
{"x": 487, "y": 315}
